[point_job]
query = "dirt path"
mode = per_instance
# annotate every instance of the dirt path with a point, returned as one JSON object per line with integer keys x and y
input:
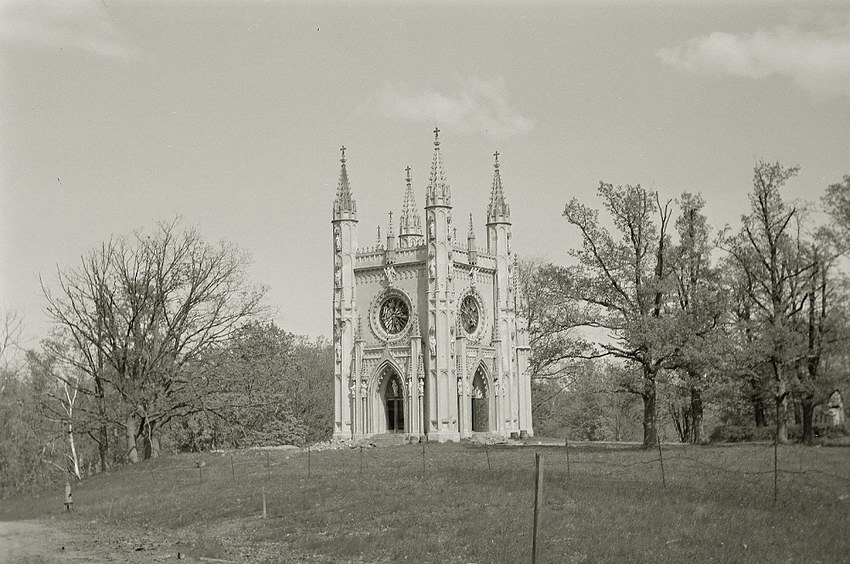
{"x": 30, "y": 542}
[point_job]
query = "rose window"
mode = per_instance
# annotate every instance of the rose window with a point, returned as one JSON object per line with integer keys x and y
{"x": 394, "y": 315}
{"x": 469, "y": 314}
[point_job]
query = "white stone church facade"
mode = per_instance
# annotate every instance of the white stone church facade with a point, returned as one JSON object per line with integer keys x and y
{"x": 428, "y": 339}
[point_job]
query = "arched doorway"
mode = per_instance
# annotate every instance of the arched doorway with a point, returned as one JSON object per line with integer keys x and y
{"x": 480, "y": 403}
{"x": 394, "y": 403}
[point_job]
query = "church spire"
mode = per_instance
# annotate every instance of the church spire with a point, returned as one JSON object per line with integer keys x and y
{"x": 410, "y": 224}
{"x": 497, "y": 211}
{"x": 344, "y": 205}
{"x": 439, "y": 193}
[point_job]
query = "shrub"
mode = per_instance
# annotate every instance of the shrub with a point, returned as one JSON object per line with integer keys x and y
{"x": 740, "y": 433}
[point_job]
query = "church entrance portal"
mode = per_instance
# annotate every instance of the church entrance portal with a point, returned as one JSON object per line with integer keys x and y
{"x": 394, "y": 404}
{"x": 480, "y": 404}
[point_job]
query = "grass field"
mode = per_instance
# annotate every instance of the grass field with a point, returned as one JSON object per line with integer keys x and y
{"x": 610, "y": 506}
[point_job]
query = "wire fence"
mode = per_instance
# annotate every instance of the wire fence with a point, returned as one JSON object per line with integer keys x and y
{"x": 274, "y": 483}
{"x": 785, "y": 472}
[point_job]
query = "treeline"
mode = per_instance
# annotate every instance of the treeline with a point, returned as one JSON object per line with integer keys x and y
{"x": 159, "y": 342}
{"x": 662, "y": 316}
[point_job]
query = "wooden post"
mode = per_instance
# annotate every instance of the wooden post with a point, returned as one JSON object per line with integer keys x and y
{"x": 153, "y": 478}
{"x": 232, "y": 471}
{"x": 361, "y": 461}
{"x": 567, "y": 448}
{"x": 264, "y": 502}
{"x": 776, "y": 458}
{"x": 69, "y": 501}
{"x": 423, "y": 458}
{"x": 309, "y": 469}
{"x": 661, "y": 460}
{"x": 538, "y": 501}
{"x": 487, "y": 450}
{"x": 268, "y": 466}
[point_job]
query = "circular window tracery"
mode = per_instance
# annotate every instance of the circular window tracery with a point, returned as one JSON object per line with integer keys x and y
{"x": 469, "y": 314}
{"x": 394, "y": 315}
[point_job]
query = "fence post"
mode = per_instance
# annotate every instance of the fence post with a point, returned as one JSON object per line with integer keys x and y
{"x": 776, "y": 458}
{"x": 232, "y": 471}
{"x": 423, "y": 458}
{"x": 538, "y": 501}
{"x": 661, "y": 460}
{"x": 153, "y": 478}
{"x": 361, "y": 461}
{"x": 487, "y": 450}
{"x": 69, "y": 501}
{"x": 567, "y": 448}
{"x": 268, "y": 466}
{"x": 264, "y": 502}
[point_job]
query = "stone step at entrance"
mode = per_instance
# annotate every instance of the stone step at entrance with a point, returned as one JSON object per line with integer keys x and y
{"x": 385, "y": 440}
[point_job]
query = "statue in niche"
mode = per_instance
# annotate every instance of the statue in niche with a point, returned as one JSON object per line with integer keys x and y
{"x": 390, "y": 274}
{"x": 337, "y": 240}
{"x": 421, "y": 386}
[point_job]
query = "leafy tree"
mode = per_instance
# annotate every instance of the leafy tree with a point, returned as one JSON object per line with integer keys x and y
{"x": 593, "y": 405}
{"x": 768, "y": 254}
{"x": 626, "y": 281}
{"x": 700, "y": 308}
{"x": 266, "y": 387}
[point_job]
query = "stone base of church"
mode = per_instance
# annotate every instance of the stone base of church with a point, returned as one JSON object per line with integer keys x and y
{"x": 444, "y": 436}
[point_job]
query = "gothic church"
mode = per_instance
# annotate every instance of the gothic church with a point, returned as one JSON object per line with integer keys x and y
{"x": 428, "y": 338}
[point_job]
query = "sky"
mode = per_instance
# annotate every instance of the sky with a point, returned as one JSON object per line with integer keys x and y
{"x": 115, "y": 115}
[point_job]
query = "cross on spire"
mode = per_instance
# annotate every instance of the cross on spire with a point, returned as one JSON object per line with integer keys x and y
{"x": 407, "y": 170}
{"x": 496, "y": 154}
{"x": 436, "y": 136}
{"x": 344, "y": 205}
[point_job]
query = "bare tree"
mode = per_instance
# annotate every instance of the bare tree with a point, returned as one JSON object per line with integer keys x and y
{"x": 11, "y": 328}
{"x": 142, "y": 310}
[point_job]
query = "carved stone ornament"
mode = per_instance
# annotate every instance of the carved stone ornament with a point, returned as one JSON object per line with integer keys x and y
{"x": 390, "y": 274}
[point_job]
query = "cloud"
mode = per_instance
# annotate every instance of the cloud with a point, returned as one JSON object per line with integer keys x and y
{"x": 818, "y": 61}
{"x": 82, "y": 26}
{"x": 478, "y": 105}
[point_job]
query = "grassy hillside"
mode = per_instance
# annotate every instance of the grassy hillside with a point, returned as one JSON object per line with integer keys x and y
{"x": 717, "y": 504}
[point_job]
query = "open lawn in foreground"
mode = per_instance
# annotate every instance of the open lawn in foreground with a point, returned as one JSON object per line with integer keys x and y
{"x": 448, "y": 503}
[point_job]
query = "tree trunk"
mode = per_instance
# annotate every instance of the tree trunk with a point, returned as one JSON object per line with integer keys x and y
{"x": 73, "y": 458}
{"x": 650, "y": 432}
{"x": 130, "y": 430}
{"x": 152, "y": 446}
{"x": 758, "y": 405}
{"x": 103, "y": 432}
{"x": 808, "y": 404}
{"x": 781, "y": 413}
{"x": 696, "y": 416}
